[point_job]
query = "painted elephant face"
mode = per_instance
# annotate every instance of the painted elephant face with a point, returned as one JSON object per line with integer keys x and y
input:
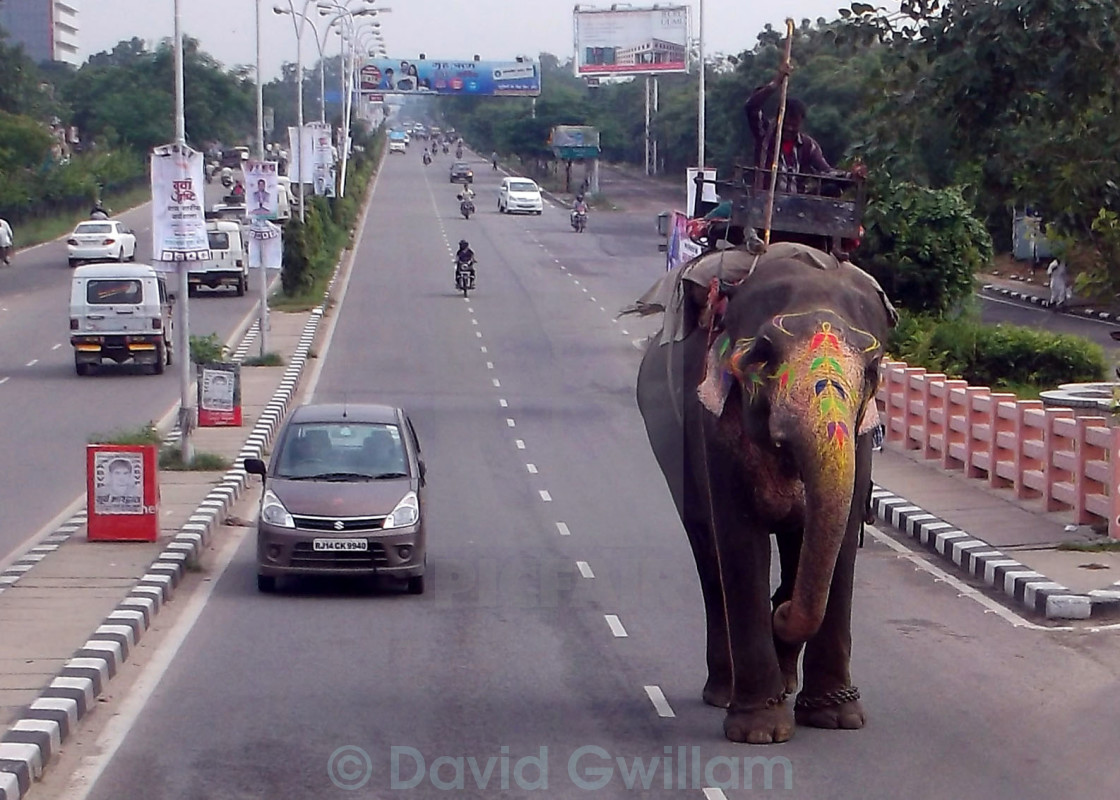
{"x": 807, "y": 372}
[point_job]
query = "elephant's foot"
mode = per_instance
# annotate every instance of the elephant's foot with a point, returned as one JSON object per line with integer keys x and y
{"x": 840, "y": 709}
{"x": 717, "y": 693}
{"x": 768, "y": 725}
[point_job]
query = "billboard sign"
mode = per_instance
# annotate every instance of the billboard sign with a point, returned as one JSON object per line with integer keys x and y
{"x": 639, "y": 41}
{"x": 450, "y": 78}
{"x": 571, "y": 142}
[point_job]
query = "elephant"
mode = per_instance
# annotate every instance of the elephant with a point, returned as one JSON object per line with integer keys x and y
{"x": 760, "y": 418}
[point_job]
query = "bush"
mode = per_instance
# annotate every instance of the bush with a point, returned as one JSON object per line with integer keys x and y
{"x": 207, "y": 349}
{"x": 1000, "y": 356}
{"x": 923, "y": 246}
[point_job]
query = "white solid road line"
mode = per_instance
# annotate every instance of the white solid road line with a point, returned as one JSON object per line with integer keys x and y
{"x": 657, "y": 697}
{"x": 616, "y": 626}
{"x": 132, "y": 706}
{"x": 585, "y": 569}
{"x": 563, "y": 528}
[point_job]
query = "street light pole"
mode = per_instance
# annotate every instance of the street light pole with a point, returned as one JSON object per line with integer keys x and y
{"x": 183, "y": 338}
{"x": 263, "y": 319}
{"x": 700, "y": 115}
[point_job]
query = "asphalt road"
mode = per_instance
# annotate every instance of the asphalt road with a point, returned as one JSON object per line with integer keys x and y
{"x": 47, "y": 412}
{"x": 561, "y": 585}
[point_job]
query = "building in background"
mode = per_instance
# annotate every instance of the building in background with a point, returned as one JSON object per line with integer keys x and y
{"x": 47, "y": 29}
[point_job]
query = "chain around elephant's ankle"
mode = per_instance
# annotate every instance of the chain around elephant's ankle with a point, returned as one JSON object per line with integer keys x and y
{"x": 834, "y": 698}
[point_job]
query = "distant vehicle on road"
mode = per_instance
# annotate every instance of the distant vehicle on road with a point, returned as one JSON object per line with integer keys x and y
{"x": 228, "y": 265}
{"x": 343, "y": 496}
{"x": 519, "y": 194}
{"x": 461, "y": 172}
{"x": 100, "y": 240}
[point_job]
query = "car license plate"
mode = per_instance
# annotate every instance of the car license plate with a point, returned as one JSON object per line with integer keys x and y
{"x": 321, "y": 545}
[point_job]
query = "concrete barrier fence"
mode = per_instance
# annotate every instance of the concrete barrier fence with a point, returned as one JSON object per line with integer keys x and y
{"x": 1067, "y": 463}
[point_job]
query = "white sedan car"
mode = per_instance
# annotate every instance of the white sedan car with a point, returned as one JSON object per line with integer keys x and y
{"x": 519, "y": 194}
{"x": 101, "y": 240}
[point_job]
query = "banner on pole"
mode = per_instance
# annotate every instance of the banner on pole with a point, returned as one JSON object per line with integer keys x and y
{"x": 263, "y": 189}
{"x": 266, "y": 246}
{"x": 178, "y": 213}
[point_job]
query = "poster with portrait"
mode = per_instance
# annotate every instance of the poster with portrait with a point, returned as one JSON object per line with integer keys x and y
{"x": 219, "y": 395}
{"x": 178, "y": 213}
{"x": 118, "y": 479}
{"x": 262, "y": 189}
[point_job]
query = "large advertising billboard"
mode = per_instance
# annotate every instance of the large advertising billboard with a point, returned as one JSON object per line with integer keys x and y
{"x": 639, "y": 41}
{"x": 465, "y": 77}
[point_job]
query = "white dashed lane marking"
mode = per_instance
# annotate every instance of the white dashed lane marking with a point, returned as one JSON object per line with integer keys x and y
{"x": 657, "y": 697}
{"x": 502, "y": 402}
{"x": 497, "y": 383}
{"x": 616, "y": 626}
{"x": 32, "y": 362}
{"x": 563, "y": 528}
{"x": 532, "y": 468}
{"x": 545, "y": 496}
{"x": 520, "y": 444}
{"x": 56, "y": 347}
{"x": 489, "y": 365}
{"x": 585, "y": 569}
{"x": 510, "y": 422}
{"x": 5, "y": 380}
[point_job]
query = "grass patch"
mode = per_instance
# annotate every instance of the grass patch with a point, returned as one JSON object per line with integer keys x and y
{"x": 1109, "y": 546}
{"x": 145, "y": 434}
{"x": 46, "y": 229}
{"x": 171, "y": 458}
{"x": 305, "y": 301}
{"x": 267, "y": 360}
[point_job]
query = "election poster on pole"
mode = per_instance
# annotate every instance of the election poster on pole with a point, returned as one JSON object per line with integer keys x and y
{"x": 178, "y": 213}
{"x": 263, "y": 186}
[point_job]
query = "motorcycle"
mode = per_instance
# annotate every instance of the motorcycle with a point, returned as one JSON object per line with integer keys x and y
{"x": 459, "y": 152}
{"x": 427, "y": 159}
{"x": 466, "y": 208}
{"x": 464, "y": 276}
{"x": 445, "y": 148}
{"x": 579, "y": 221}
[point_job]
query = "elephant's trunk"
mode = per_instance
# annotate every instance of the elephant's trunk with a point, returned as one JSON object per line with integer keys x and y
{"x": 826, "y": 454}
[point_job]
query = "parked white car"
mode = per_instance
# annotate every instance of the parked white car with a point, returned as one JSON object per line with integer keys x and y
{"x": 519, "y": 194}
{"x": 101, "y": 240}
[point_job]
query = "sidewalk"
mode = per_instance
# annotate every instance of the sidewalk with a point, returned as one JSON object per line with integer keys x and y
{"x": 53, "y": 597}
{"x": 1009, "y": 544}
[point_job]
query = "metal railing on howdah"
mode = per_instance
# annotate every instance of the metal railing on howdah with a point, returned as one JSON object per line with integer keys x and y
{"x": 1064, "y": 462}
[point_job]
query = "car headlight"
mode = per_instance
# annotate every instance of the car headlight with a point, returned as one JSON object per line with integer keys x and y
{"x": 273, "y": 511}
{"x": 406, "y": 513}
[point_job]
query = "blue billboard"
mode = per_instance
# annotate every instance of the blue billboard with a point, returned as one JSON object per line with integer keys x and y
{"x": 451, "y": 78}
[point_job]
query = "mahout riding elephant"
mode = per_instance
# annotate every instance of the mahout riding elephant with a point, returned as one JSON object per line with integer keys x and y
{"x": 760, "y": 417}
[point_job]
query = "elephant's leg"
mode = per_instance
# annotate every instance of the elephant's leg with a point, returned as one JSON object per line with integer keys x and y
{"x": 789, "y": 551}
{"x": 758, "y": 712}
{"x": 828, "y": 699}
{"x": 717, "y": 689}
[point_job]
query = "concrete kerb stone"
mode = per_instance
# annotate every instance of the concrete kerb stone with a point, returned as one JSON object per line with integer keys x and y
{"x": 35, "y": 738}
{"x": 1019, "y": 583}
{"x": 1045, "y": 302}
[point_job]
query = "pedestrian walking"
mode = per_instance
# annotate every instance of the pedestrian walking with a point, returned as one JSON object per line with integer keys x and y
{"x": 1060, "y": 290}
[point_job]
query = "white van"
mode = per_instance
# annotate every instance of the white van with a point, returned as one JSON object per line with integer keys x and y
{"x": 228, "y": 264}
{"x": 120, "y": 312}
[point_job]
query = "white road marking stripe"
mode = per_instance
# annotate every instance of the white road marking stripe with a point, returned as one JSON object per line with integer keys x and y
{"x": 497, "y": 383}
{"x": 502, "y": 402}
{"x": 616, "y": 626}
{"x": 474, "y": 321}
{"x": 489, "y": 365}
{"x": 625, "y": 332}
{"x": 657, "y": 697}
{"x": 56, "y": 346}
{"x": 585, "y": 290}
{"x": 592, "y": 299}
{"x": 484, "y": 349}
{"x": 510, "y": 423}
{"x": 520, "y": 444}
{"x": 532, "y": 468}
{"x": 32, "y": 362}
{"x": 478, "y": 334}
{"x": 585, "y": 569}
{"x": 574, "y": 278}
{"x": 545, "y": 496}
{"x": 5, "y": 380}
{"x": 563, "y": 528}
{"x": 602, "y": 309}
{"x": 712, "y": 793}
{"x": 469, "y": 309}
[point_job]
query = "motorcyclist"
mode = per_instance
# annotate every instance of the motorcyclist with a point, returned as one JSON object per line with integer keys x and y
{"x": 467, "y": 193}
{"x": 98, "y": 211}
{"x": 579, "y": 207}
{"x": 7, "y": 240}
{"x": 464, "y": 255}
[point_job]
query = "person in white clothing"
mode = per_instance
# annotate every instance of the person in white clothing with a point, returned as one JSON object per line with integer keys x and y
{"x": 1060, "y": 290}
{"x": 7, "y": 239}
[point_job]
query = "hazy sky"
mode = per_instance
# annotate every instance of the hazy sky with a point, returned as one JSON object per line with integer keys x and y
{"x": 445, "y": 29}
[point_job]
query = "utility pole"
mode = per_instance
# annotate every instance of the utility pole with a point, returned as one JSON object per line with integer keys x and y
{"x": 700, "y": 115}
{"x": 183, "y": 344}
{"x": 263, "y": 322}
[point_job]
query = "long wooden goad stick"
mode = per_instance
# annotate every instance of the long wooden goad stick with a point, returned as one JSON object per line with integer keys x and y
{"x": 778, "y": 137}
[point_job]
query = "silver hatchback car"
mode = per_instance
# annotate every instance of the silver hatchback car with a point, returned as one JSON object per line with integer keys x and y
{"x": 343, "y": 495}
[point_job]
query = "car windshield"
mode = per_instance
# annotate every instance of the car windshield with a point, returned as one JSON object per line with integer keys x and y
{"x": 459, "y": 166}
{"x": 522, "y": 186}
{"x": 110, "y": 292}
{"x": 94, "y": 227}
{"x": 342, "y": 451}
{"x": 219, "y": 241}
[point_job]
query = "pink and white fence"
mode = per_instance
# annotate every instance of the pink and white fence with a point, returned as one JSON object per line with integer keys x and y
{"x": 1064, "y": 461}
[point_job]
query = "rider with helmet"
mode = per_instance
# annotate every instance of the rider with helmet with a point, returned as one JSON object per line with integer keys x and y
{"x": 464, "y": 255}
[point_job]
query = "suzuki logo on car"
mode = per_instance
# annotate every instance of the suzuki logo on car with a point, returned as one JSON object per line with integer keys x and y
{"x": 338, "y": 525}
